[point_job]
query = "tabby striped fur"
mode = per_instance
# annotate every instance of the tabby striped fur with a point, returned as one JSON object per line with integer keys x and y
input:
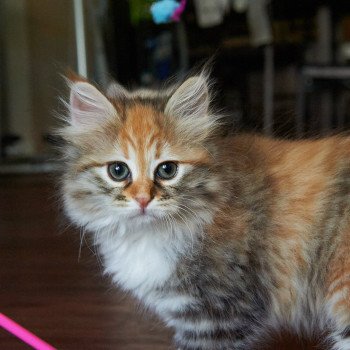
{"x": 251, "y": 234}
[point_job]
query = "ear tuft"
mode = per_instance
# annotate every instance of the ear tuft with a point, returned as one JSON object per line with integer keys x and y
{"x": 189, "y": 104}
{"x": 89, "y": 107}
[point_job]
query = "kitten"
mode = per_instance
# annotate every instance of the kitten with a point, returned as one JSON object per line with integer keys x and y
{"x": 224, "y": 238}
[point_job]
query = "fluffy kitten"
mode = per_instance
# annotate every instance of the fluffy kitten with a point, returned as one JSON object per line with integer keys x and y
{"x": 224, "y": 238}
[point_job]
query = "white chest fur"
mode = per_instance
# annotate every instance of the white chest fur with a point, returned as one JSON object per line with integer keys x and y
{"x": 141, "y": 261}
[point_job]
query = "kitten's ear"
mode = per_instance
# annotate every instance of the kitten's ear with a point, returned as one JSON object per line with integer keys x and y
{"x": 190, "y": 104}
{"x": 190, "y": 100}
{"x": 89, "y": 107}
{"x": 116, "y": 91}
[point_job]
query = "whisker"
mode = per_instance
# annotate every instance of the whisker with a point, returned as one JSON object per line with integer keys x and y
{"x": 183, "y": 219}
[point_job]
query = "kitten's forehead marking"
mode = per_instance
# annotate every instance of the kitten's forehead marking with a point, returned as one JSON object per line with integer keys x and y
{"x": 141, "y": 139}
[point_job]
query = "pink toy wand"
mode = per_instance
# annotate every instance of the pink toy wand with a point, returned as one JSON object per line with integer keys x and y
{"x": 178, "y": 12}
{"x": 23, "y": 334}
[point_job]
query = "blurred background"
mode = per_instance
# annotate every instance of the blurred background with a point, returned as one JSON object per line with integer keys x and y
{"x": 281, "y": 67}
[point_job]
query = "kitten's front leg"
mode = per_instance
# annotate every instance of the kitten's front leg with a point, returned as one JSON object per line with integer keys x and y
{"x": 341, "y": 339}
{"x": 210, "y": 335}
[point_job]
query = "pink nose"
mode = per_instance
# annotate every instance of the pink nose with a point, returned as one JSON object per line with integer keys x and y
{"x": 143, "y": 201}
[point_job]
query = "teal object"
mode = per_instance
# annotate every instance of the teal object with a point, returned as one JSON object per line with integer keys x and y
{"x": 163, "y": 10}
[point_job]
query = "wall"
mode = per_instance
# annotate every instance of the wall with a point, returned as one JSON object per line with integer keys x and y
{"x": 38, "y": 44}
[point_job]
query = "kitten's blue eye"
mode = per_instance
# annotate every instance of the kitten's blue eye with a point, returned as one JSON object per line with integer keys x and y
{"x": 118, "y": 171}
{"x": 167, "y": 170}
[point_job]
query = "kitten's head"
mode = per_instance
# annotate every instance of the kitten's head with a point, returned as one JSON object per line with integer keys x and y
{"x": 140, "y": 158}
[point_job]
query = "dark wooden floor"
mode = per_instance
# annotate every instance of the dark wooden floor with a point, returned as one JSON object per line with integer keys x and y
{"x": 63, "y": 299}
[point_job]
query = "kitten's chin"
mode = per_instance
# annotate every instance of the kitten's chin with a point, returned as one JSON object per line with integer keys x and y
{"x": 140, "y": 217}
